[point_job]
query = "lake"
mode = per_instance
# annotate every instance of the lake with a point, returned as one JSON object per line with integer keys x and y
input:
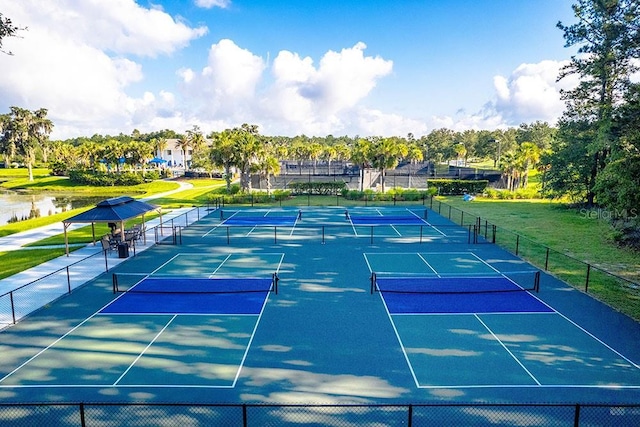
{"x": 23, "y": 206}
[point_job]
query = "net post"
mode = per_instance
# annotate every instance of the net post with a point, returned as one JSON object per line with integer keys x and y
{"x": 372, "y": 234}
{"x": 373, "y": 282}
{"x": 227, "y": 234}
{"x": 421, "y": 233}
{"x": 323, "y": 234}
{"x": 275, "y": 279}
{"x": 536, "y": 283}
{"x": 275, "y": 235}
{"x": 114, "y": 282}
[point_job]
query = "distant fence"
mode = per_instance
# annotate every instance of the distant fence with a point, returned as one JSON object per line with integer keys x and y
{"x": 27, "y": 298}
{"x": 154, "y": 414}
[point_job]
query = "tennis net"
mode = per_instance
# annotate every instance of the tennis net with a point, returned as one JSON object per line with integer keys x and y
{"x": 164, "y": 284}
{"x": 528, "y": 281}
{"x": 387, "y": 220}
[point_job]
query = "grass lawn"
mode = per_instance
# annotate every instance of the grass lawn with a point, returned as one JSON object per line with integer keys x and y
{"x": 198, "y": 195}
{"x": 16, "y": 261}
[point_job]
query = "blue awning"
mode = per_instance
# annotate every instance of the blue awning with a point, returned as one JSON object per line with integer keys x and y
{"x": 114, "y": 210}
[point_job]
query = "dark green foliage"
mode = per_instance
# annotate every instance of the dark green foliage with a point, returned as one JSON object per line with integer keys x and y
{"x": 101, "y": 179}
{"x": 58, "y": 168}
{"x": 451, "y": 187}
{"x": 320, "y": 188}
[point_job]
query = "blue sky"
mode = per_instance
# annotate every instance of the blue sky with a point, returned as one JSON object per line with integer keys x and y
{"x": 314, "y": 67}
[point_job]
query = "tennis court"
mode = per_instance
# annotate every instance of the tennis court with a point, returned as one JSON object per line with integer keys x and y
{"x": 310, "y": 305}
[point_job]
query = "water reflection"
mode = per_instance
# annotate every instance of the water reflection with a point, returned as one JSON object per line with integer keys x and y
{"x": 20, "y": 206}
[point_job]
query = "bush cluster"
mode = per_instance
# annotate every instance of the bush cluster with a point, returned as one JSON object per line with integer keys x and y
{"x": 455, "y": 187}
{"x": 522, "y": 193}
{"x": 102, "y": 179}
{"x": 398, "y": 194}
{"x": 321, "y": 188}
{"x": 235, "y": 197}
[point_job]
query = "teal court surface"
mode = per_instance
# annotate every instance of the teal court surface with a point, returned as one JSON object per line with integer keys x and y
{"x": 338, "y": 306}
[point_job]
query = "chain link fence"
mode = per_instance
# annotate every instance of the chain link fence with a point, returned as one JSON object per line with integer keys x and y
{"x": 266, "y": 415}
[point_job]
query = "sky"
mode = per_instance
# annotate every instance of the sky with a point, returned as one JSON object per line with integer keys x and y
{"x": 292, "y": 67}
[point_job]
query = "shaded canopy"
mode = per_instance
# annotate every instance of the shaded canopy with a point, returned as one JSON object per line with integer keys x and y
{"x": 115, "y": 210}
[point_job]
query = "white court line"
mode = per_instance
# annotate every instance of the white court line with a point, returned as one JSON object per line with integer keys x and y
{"x": 507, "y": 349}
{"x": 145, "y": 349}
{"x": 428, "y": 265}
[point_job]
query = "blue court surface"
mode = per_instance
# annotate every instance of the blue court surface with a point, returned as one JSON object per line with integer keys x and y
{"x": 400, "y": 311}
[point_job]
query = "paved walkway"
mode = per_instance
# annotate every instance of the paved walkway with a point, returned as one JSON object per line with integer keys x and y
{"x": 52, "y": 279}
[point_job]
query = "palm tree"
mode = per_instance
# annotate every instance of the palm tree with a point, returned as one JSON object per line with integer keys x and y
{"x": 329, "y": 153}
{"x": 314, "y": 151}
{"x": 385, "y": 154}
{"x": 461, "y": 152}
{"x": 248, "y": 149}
{"x": 414, "y": 155}
{"x": 510, "y": 166}
{"x": 222, "y": 153}
{"x": 183, "y": 143}
{"x": 159, "y": 145}
{"x": 88, "y": 153}
{"x": 113, "y": 151}
{"x": 196, "y": 140}
{"x": 529, "y": 155}
{"x": 300, "y": 150}
{"x": 360, "y": 156}
{"x": 267, "y": 167}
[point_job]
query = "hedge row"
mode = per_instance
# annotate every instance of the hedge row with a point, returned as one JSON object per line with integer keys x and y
{"x": 453, "y": 187}
{"x": 321, "y": 188}
{"x": 248, "y": 198}
{"x": 101, "y": 179}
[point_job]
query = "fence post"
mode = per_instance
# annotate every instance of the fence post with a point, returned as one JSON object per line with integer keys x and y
{"x": 244, "y": 415}
{"x": 576, "y": 416}
{"x": 517, "y": 243}
{"x": 586, "y": 284}
{"x": 493, "y": 239}
{"x": 546, "y": 261}
{"x": 83, "y": 422}
{"x": 13, "y": 307}
{"x": 106, "y": 261}
{"x": 410, "y": 416}
{"x": 68, "y": 280}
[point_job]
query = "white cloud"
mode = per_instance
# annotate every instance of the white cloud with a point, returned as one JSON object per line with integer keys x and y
{"x": 208, "y": 4}
{"x": 73, "y": 60}
{"x": 530, "y": 93}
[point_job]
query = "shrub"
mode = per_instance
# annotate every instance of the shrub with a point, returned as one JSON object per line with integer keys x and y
{"x": 321, "y": 188}
{"x": 454, "y": 187}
